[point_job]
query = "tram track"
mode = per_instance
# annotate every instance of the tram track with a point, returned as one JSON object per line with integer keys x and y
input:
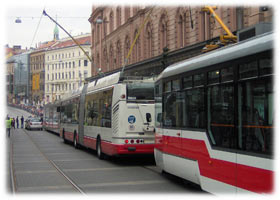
{"x": 11, "y": 164}
{"x": 60, "y": 171}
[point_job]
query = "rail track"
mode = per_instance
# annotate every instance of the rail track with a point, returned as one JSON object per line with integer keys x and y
{"x": 60, "y": 171}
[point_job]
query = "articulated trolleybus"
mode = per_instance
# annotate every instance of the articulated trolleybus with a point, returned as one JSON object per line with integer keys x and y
{"x": 52, "y": 117}
{"x": 214, "y": 118}
{"x": 111, "y": 116}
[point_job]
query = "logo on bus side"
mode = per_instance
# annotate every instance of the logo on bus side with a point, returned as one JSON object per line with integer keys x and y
{"x": 131, "y": 119}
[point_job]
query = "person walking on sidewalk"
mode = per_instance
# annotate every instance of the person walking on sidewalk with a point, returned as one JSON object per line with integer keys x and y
{"x": 22, "y": 121}
{"x": 8, "y": 126}
{"x": 17, "y": 121}
{"x": 13, "y": 122}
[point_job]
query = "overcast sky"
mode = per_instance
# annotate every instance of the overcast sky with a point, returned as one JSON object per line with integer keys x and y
{"x": 73, "y": 18}
{"x": 72, "y": 15}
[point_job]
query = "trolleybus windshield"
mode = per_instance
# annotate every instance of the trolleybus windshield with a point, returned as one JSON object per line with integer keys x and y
{"x": 140, "y": 91}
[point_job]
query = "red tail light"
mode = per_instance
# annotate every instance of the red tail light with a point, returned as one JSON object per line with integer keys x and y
{"x": 137, "y": 141}
{"x": 126, "y": 141}
{"x": 131, "y": 141}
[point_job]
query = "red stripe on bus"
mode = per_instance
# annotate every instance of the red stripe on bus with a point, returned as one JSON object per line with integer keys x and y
{"x": 242, "y": 176}
{"x": 69, "y": 136}
{"x": 117, "y": 149}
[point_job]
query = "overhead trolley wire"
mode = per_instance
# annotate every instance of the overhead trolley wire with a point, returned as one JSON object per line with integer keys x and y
{"x": 36, "y": 29}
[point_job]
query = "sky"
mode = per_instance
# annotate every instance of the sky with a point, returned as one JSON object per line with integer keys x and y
{"x": 73, "y": 18}
{"x": 72, "y": 15}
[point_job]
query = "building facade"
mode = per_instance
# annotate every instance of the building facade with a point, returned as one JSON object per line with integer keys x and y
{"x": 171, "y": 34}
{"x": 37, "y": 73}
{"x": 10, "y": 67}
{"x": 37, "y": 81}
{"x": 66, "y": 67}
{"x": 22, "y": 93}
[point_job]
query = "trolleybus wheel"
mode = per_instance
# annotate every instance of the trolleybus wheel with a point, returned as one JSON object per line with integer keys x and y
{"x": 76, "y": 145}
{"x": 100, "y": 155}
{"x": 63, "y": 136}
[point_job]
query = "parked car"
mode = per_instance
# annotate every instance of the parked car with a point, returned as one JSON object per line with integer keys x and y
{"x": 33, "y": 123}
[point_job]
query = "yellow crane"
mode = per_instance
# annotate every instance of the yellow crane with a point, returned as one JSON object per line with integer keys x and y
{"x": 224, "y": 39}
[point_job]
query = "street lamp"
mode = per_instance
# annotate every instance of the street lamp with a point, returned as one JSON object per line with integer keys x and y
{"x": 18, "y": 20}
{"x": 100, "y": 21}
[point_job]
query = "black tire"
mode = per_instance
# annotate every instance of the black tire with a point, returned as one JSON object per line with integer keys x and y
{"x": 99, "y": 153}
{"x": 63, "y": 136}
{"x": 75, "y": 143}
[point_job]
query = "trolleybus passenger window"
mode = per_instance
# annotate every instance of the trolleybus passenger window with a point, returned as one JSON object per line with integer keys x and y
{"x": 213, "y": 77}
{"x": 194, "y": 108}
{"x": 255, "y": 116}
{"x": 226, "y": 74}
{"x": 221, "y": 116}
{"x": 167, "y": 86}
{"x": 172, "y": 115}
{"x": 266, "y": 66}
{"x": 198, "y": 80}
{"x": 176, "y": 85}
{"x": 187, "y": 82}
{"x": 248, "y": 70}
{"x": 91, "y": 110}
{"x": 106, "y": 109}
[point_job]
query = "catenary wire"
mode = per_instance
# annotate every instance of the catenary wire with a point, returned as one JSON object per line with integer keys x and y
{"x": 36, "y": 30}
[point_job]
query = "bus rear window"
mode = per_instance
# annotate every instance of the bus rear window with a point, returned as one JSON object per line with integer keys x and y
{"x": 140, "y": 91}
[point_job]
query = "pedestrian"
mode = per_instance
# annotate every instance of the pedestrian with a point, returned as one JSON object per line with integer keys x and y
{"x": 17, "y": 120}
{"x": 8, "y": 126}
{"x": 22, "y": 121}
{"x": 13, "y": 122}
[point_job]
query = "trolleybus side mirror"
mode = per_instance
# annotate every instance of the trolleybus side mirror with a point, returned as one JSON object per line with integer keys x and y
{"x": 148, "y": 117}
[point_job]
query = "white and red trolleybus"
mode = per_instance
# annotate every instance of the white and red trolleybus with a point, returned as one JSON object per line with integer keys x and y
{"x": 214, "y": 118}
{"x": 51, "y": 117}
{"x": 110, "y": 115}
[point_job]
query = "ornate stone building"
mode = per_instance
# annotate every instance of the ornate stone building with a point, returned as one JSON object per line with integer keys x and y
{"x": 170, "y": 35}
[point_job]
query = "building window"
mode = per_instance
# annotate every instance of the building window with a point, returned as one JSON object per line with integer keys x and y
{"x": 111, "y": 59}
{"x": 119, "y": 54}
{"x": 118, "y": 17}
{"x": 85, "y": 63}
{"x": 105, "y": 27}
{"x": 180, "y": 30}
{"x": 126, "y": 13}
{"x": 163, "y": 32}
{"x": 126, "y": 47}
{"x": 105, "y": 58}
{"x": 111, "y": 22}
{"x": 136, "y": 49}
{"x": 149, "y": 41}
{"x": 85, "y": 74}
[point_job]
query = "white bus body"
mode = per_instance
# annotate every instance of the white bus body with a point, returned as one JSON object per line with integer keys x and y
{"x": 214, "y": 118}
{"x": 108, "y": 119}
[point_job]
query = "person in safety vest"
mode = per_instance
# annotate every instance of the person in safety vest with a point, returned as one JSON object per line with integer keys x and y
{"x": 8, "y": 125}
